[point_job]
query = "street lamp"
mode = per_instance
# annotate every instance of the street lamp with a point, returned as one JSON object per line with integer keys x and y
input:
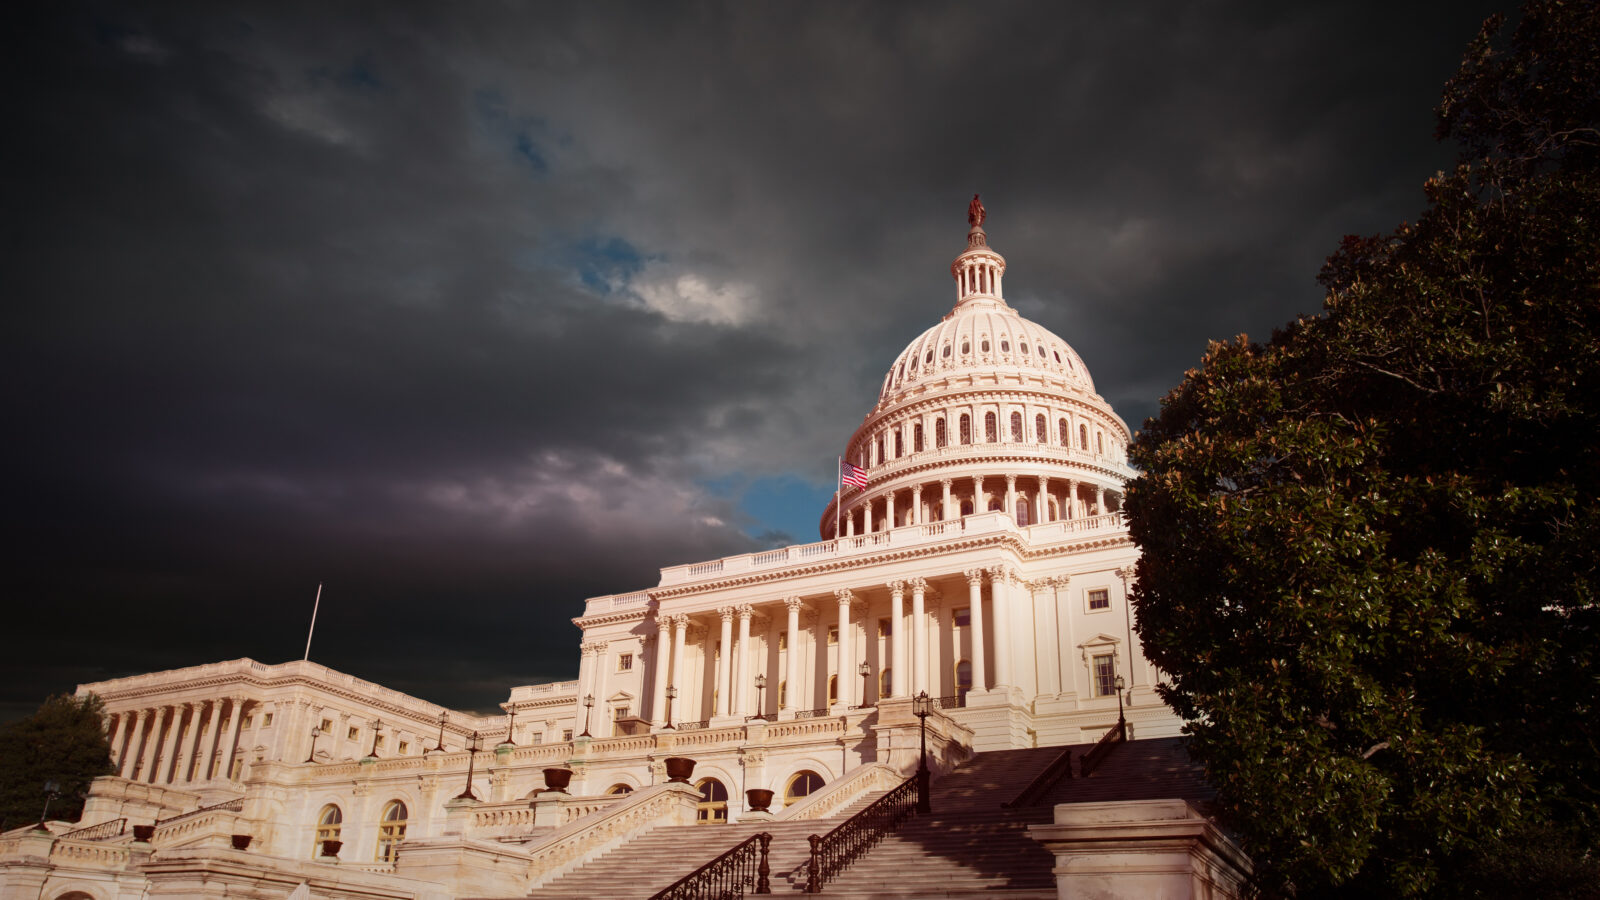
{"x": 511, "y": 725}
{"x": 866, "y": 673}
{"x": 377, "y": 729}
{"x": 472, "y": 757}
{"x": 1121, "y": 723}
{"x": 672, "y": 694}
{"x": 316, "y": 732}
{"x": 52, "y": 790}
{"x": 588, "y": 704}
{"x": 444, "y": 715}
{"x": 761, "y": 691}
{"x": 922, "y": 707}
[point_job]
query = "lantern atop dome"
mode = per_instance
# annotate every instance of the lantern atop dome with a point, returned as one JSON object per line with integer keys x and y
{"x": 979, "y": 270}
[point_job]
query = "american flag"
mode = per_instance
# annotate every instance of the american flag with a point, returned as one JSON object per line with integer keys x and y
{"x": 849, "y": 474}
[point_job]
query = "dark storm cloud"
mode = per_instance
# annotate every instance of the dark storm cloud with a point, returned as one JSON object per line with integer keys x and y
{"x": 473, "y": 313}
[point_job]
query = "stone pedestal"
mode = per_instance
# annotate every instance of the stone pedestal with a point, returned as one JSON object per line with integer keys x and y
{"x": 1141, "y": 850}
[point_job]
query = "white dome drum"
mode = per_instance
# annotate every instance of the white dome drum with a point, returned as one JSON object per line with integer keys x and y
{"x": 984, "y": 411}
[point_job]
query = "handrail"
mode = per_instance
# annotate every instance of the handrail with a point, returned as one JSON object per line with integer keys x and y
{"x": 832, "y": 852}
{"x": 100, "y": 832}
{"x": 1092, "y": 759}
{"x": 726, "y": 876}
{"x": 234, "y": 805}
{"x": 1059, "y": 768}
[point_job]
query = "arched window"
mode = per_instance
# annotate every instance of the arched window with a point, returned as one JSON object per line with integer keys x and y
{"x": 916, "y": 437}
{"x": 939, "y": 436}
{"x": 1005, "y": 346}
{"x": 966, "y": 347}
{"x": 966, "y": 507}
{"x": 1066, "y": 434}
{"x": 991, "y": 428}
{"x": 833, "y": 689}
{"x": 1022, "y": 513}
{"x": 963, "y": 679}
{"x": 1083, "y": 437}
{"x": 899, "y": 447}
{"x": 1041, "y": 429}
{"x": 713, "y": 806}
{"x": 881, "y": 457}
{"x": 802, "y": 785}
{"x": 1016, "y": 428}
{"x": 619, "y": 788}
{"x": 1099, "y": 443}
{"x": 391, "y": 831}
{"x": 945, "y": 352}
{"x": 330, "y": 823}
{"x": 783, "y": 694}
{"x": 884, "y": 681}
{"x": 984, "y": 346}
{"x": 966, "y": 429}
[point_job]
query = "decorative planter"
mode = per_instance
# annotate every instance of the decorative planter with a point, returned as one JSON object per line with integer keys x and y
{"x": 557, "y": 779}
{"x": 679, "y": 768}
{"x": 143, "y": 833}
{"x": 759, "y": 799}
{"x": 331, "y": 848}
{"x": 241, "y": 841}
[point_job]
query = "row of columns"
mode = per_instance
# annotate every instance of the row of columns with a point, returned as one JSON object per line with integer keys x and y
{"x": 1040, "y": 504}
{"x": 908, "y": 660}
{"x": 154, "y": 745}
{"x": 978, "y": 276}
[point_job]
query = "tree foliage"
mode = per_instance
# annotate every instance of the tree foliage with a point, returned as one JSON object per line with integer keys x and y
{"x": 1371, "y": 546}
{"x": 64, "y": 742}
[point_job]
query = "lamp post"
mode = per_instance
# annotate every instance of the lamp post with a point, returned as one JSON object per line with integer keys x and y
{"x": 316, "y": 732}
{"x": 672, "y": 694}
{"x": 922, "y": 706}
{"x": 588, "y": 704}
{"x": 1121, "y": 723}
{"x": 511, "y": 725}
{"x": 761, "y": 692}
{"x": 866, "y": 674}
{"x": 52, "y": 790}
{"x": 444, "y": 716}
{"x": 472, "y": 757}
{"x": 377, "y": 729}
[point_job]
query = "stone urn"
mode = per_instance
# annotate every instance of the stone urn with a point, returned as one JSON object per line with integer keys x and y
{"x": 557, "y": 780}
{"x": 331, "y": 848}
{"x": 760, "y": 799}
{"x": 679, "y": 768}
{"x": 240, "y": 841}
{"x": 143, "y": 833}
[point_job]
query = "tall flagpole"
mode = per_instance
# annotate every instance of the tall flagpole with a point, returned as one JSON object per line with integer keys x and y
{"x": 313, "y": 628}
{"x": 838, "y": 494}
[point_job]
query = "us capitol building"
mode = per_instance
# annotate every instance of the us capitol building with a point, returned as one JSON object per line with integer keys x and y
{"x": 984, "y": 564}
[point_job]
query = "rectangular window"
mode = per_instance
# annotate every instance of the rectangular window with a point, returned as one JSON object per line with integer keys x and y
{"x": 1100, "y": 598}
{"x": 405, "y": 747}
{"x": 566, "y": 735}
{"x": 327, "y": 726}
{"x": 625, "y": 662}
{"x": 620, "y": 713}
{"x": 964, "y": 617}
{"x": 353, "y": 733}
{"x": 1105, "y": 675}
{"x": 885, "y": 628}
{"x": 266, "y": 720}
{"x": 783, "y": 640}
{"x": 833, "y": 635}
{"x": 248, "y": 720}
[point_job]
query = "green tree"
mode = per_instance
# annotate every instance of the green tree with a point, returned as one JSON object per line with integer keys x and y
{"x": 64, "y": 742}
{"x": 1371, "y": 546}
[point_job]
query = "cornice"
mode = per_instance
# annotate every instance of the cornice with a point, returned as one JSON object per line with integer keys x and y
{"x": 637, "y": 615}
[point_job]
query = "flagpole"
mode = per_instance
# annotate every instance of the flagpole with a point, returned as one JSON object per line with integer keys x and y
{"x": 838, "y": 494}
{"x": 317, "y": 603}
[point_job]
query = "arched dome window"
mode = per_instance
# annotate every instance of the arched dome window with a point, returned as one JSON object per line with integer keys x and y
{"x": 966, "y": 348}
{"x": 801, "y": 786}
{"x": 1083, "y": 437}
{"x": 1041, "y": 429}
{"x": 939, "y": 436}
{"x": 1099, "y": 443}
{"x": 916, "y": 437}
{"x": 946, "y": 352}
{"x": 984, "y": 346}
{"x": 1016, "y": 428}
{"x": 966, "y": 429}
{"x": 330, "y": 822}
{"x": 899, "y": 446}
{"x": 929, "y": 359}
{"x": 1005, "y": 346}
{"x": 881, "y": 457}
{"x": 991, "y": 428}
{"x": 1058, "y": 356}
{"x": 1023, "y": 346}
{"x": 713, "y": 806}
{"x": 1066, "y": 433}
{"x": 619, "y": 788}
{"x": 391, "y": 831}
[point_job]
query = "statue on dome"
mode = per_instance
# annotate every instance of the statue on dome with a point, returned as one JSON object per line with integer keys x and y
{"x": 975, "y": 212}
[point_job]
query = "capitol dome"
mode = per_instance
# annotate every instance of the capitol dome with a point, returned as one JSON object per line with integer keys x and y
{"x": 984, "y": 411}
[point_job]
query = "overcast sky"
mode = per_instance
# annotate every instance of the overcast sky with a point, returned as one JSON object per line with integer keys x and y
{"x": 473, "y": 311}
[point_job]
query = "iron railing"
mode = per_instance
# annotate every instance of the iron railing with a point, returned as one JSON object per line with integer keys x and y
{"x": 811, "y": 713}
{"x": 831, "y": 853}
{"x": 1092, "y": 759}
{"x": 694, "y": 726}
{"x": 1059, "y": 768}
{"x": 231, "y": 805}
{"x": 954, "y": 701}
{"x": 100, "y": 832}
{"x": 728, "y": 875}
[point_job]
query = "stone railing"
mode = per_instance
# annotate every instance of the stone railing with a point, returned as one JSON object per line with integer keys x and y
{"x": 843, "y": 791}
{"x": 803, "y": 729}
{"x": 576, "y": 843}
{"x": 90, "y": 854}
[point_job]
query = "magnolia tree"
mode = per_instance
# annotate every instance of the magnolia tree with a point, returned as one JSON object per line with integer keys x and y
{"x": 1371, "y": 546}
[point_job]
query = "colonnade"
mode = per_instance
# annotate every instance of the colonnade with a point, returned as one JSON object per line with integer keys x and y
{"x": 945, "y": 498}
{"x": 908, "y": 653}
{"x": 178, "y": 743}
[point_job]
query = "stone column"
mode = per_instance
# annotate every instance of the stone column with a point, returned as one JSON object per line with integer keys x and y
{"x": 152, "y": 743}
{"x": 724, "y": 658}
{"x": 977, "y": 494}
{"x": 187, "y": 750}
{"x": 919, "y": 637}
{"x": 888, "y": 511}
{"x": 741, "y": 668}
{"x": 232, "y": 747}
{"x": 1011, "y": 497}
{"x": 845, "y": 671}
{"x": 167, "y": 763}
{"x": 597, "y": 687}
{"x": 1099, "y": 500}
{"x": 680, "y": 627}
{"x": 980, "y": 675}
{"x": 850, "y": 522}
{"x": 1070, "y": 507}
{"x": 1044, "y": 498}
{"x": 792, "y": 667}
{"x": 658, "y": 702}
{"x": 916, "y": 510}
{"x": 260, "y": 723}
{"x": 1000, "y": 581}
{"x": 899, "y": 666}
{"x": 208, "y": 742}
{"x": 130, "y": 750}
